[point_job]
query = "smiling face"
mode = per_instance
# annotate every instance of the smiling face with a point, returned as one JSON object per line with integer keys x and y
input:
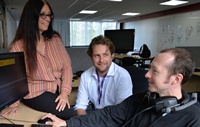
{"x": 160, "y": 80}
{"x": 44, "y": 22}
{"x": 101, "y": 58}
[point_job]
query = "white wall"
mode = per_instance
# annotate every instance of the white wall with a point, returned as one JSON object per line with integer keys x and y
{"x": 168, "y": 31}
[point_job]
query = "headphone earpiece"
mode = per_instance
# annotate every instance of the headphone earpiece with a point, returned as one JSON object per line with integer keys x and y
{"x": 164, "y": 104}
{"x": 151, "y": 97}
{"x": 168, "y": 104}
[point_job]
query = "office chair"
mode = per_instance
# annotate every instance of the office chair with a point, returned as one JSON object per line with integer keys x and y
{"x": 140, "y": 83}
{"x": 128, "y": 61}
{"x": 146, "y": 65}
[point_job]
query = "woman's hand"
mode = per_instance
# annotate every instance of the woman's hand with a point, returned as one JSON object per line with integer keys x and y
{"x": 62, "y": 100}
{"x": 55, "y": 121}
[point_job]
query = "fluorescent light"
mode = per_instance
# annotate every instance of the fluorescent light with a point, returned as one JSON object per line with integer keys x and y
{"x": 130, "y": 14}
{"x": 87, "y": 12}
{"x": 115, "y": 0}
{"x": 107, "y": 20}
{"x": 75, "y": 19}
{"x": 173, "y": 2}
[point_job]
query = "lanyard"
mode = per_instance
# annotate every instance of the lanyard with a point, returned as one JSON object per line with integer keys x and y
{"x": 100, "y": 87}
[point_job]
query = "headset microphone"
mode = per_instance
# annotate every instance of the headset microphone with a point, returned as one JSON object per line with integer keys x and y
{"x": 166, "y": 104}
{"x": 184, "y": 105}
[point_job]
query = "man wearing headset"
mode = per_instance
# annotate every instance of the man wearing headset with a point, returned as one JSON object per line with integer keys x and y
{"x": 164, "y": 105}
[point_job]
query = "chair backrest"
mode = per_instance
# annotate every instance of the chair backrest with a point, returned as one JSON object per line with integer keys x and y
{"x": 144, "y": 51}
{"x": 140, "y": 83}
{"x": 128, "y": 61}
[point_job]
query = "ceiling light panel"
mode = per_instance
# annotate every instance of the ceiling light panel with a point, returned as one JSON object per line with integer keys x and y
{"x": 130, "y": 14}
{"x": 115, "y": 0}
{"x": 87, "y": 12}
{"x": 173, "y": 2}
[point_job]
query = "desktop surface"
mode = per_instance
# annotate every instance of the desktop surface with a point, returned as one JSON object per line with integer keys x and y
{"x": 24, "y": 116}
{"x": 28, "y": 117}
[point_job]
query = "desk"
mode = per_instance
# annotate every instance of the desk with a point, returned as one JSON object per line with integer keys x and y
{"x": 196, "y": 73}
{"x": 139, "y": 60}
{"x": 72, "y": 96}
{"x": 75, "y": 83}
{"x": 27, "y": 116}
{"x": 193, "y": 84}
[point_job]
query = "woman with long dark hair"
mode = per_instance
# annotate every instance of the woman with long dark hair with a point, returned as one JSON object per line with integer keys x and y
{"x": 48, "y": 64}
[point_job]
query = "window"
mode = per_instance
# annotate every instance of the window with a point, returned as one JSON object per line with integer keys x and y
{"x": 81, "y": 33}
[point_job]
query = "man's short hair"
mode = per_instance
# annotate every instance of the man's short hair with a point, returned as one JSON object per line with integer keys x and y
{"x": 183, "y": 63}
{"x": 103, "y": 41}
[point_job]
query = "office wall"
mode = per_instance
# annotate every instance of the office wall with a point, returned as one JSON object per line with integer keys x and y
{"x": 169, "y": 31}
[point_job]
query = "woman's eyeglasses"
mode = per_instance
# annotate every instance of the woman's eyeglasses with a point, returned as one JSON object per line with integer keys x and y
{"x": 43, "y": 16}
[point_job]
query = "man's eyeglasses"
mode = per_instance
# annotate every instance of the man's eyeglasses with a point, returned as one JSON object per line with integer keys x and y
{"x": 43, "y": 16}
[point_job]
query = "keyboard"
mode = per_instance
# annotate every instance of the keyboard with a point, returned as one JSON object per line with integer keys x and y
{"x": 40, "y": 125}
{"x": 10, "y": 125}
{"x": 20, "y": 125}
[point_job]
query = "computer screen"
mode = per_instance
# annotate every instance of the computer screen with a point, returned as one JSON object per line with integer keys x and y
{"x": 13, "y": 79}
{"x": 123, "y": 40}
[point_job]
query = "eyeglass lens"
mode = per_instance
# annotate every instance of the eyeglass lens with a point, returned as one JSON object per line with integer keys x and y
{"x": 43, "y": 16}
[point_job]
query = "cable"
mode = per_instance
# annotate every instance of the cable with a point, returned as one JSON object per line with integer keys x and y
{"x": 8, "y": 119}
{"x": 138, "y": 115}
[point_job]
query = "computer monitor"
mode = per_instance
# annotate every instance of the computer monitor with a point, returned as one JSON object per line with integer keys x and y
{"x": 13, "y": 78}
{"x": 123, "y": 40}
